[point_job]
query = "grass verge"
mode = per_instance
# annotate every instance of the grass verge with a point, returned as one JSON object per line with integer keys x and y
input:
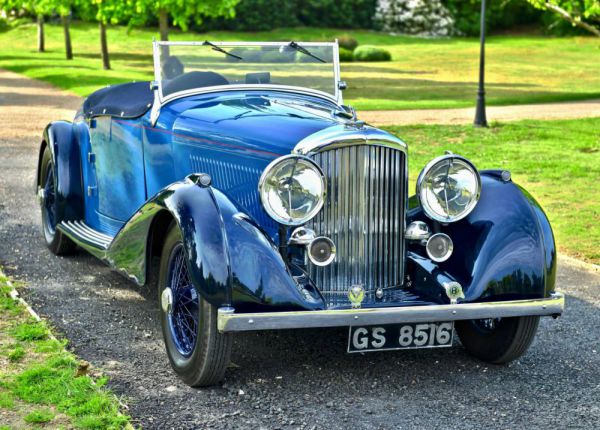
{"x": 41, "y": 383}
{"x": 558, "y": 162}
{"x": 423, "y": 73}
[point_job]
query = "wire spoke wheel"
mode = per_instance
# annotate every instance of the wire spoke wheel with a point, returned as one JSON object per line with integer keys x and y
{"x": 184, "y": 311}
{"x": 49, "y": 203}
{"x": 198, "y": 352}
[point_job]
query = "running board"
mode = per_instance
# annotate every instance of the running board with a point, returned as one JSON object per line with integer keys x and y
{"x": 85, "y": 236}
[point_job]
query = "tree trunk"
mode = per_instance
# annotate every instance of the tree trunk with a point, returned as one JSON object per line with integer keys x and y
{"x": 163, "y": 29}
{"x": 41, "y": 36}
{"x": 163, "y": 24}
{"x": 68, "y": 47}
{"x": 104, "y": 47}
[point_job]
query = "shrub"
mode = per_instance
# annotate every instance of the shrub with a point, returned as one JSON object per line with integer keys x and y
{"x": 346, "y": 55}
{"x": 371, "y": 53}
{"x": 347, "y": 42}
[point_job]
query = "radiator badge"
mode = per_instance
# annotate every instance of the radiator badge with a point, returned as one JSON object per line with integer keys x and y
{"x": 454, "y": 291}
{"x": 356, "y": 294}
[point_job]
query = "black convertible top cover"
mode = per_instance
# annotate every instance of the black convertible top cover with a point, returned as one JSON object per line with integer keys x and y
{"x": 130, "y": 100}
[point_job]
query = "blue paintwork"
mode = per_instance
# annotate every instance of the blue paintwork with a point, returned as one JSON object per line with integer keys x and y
{"x": 59, "y": 137}
{"x": 141, "y": 176}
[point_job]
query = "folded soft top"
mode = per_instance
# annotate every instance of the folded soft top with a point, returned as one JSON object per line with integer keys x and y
{"x": 129, "y": 100}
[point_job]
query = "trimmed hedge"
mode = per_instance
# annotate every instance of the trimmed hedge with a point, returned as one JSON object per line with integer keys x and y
{"x": 371, "y": 53}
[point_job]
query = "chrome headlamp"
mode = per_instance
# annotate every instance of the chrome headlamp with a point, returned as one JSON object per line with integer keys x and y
{"x": 292, "y": 189}
{"x": 448, "y": 188}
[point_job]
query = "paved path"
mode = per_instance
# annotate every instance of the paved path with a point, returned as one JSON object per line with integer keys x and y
{"x": 292, "y": 379}
{"x": 566, "y": 110}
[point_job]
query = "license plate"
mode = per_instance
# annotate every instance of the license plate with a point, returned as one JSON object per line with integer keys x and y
{"x": 400, "y": 336}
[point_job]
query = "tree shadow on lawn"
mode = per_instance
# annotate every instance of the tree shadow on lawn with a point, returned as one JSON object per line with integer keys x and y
{"x": 393, "y": 69}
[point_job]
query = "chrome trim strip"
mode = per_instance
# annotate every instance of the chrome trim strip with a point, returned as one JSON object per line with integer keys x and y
{"x": 229, "y": 321}
{"x": 234, "y": 44}
{"x": 79, "y": 232}
{"x": 249, "y": 87}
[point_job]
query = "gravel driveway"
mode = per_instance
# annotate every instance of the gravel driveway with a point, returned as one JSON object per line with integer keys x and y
{"x": 294, "y": 379}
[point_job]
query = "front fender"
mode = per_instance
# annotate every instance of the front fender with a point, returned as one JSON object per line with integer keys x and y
{"x": 504, "y": 249}
{"x": 232, "y": 261}
{"x": 60, "y": 139}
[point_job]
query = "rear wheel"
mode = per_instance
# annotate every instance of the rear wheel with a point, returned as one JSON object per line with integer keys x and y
{"x": 56, "y": 241}
{"x": 198, "y": 353}
{"x": 498, "y": 340}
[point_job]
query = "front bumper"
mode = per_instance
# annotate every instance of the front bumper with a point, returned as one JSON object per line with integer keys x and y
{"x": 229, "y": 321}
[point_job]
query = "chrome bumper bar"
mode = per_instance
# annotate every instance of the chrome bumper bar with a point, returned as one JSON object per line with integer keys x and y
{"x": 229, "y": 321}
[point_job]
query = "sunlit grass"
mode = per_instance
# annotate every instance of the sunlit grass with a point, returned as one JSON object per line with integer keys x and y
{"x": 424, "y": 73}
{"x": 39, "y": 380}
{"x": 558, "y": 162}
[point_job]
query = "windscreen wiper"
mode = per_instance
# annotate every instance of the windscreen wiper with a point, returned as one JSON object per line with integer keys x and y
{"x": 305, "y": 51}
{"x": 219, "y": 49}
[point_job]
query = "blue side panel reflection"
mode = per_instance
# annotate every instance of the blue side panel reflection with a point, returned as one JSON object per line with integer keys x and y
{"x": 120, "y": 171}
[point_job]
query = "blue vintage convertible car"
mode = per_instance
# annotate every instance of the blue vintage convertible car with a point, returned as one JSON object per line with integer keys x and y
{"x": 240, "y": 184}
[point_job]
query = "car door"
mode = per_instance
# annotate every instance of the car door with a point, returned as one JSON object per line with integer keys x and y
{"x": 117, "y": 187}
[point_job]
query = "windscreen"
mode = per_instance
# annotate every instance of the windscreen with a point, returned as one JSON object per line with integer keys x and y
{"x": 191, "y": 66}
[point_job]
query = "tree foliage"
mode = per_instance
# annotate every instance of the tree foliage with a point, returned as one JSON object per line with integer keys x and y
{"x": 182, "y": 12}
{"x": 580, "y": 13}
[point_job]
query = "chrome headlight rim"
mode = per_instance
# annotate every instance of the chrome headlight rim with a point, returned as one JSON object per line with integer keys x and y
{"x": 265, "y": 204}
{"x": 423, "y": 175}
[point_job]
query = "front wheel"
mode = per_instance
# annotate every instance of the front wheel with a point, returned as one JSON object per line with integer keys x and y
{"x": 498, "y": 340}
{"x": 56, "y": 241}
{"x": 198, "y": 353}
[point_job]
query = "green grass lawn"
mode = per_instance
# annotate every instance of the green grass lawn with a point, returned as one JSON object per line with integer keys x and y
{"x": 558, "y": 162}
{"x": 424, "y": 73}
{"x": 41, "y": 384}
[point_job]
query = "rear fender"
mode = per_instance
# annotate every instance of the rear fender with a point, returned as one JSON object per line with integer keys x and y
{"x": 60, "y": 139}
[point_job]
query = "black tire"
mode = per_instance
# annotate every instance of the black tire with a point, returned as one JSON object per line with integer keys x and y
{"x": 501, "y": 341}
{"x": 209, "y": 358}
{"x": 56, "y": 241}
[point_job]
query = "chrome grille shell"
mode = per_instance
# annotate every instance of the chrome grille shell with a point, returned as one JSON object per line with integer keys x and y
{"x": 364, "y": 211}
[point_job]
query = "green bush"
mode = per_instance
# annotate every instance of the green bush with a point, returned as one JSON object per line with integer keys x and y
{"x": 347, "y": 42}
{"x": 346, "y": 55}
{"x": 371, "y": 53}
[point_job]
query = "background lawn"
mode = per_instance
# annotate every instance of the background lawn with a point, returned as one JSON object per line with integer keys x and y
{"x": 424, "y": 73}
{"x": 558, "y": 162}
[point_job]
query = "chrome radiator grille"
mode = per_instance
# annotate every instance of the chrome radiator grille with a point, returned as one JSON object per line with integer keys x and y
{"x": 364, "y": 216}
